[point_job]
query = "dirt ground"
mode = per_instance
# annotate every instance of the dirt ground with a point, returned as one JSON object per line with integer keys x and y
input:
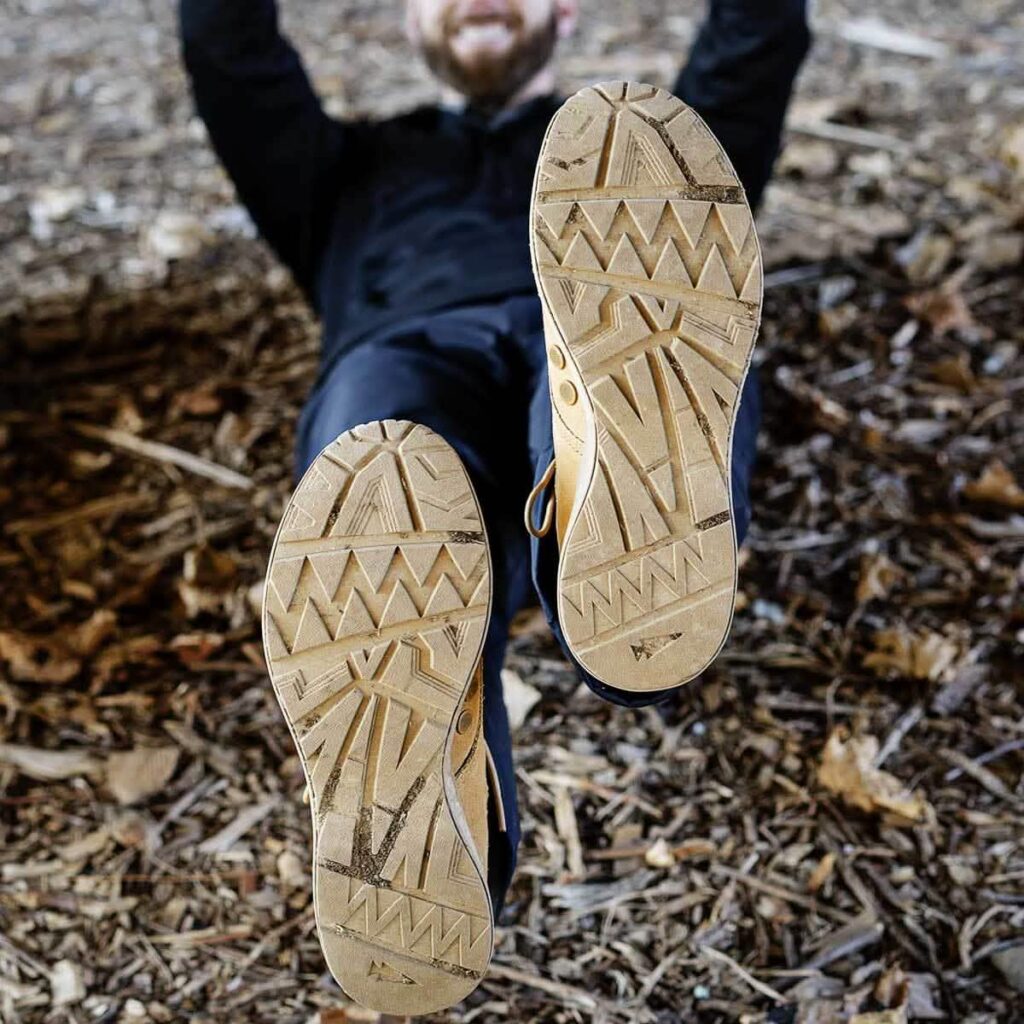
{"x": 830, "y": 829}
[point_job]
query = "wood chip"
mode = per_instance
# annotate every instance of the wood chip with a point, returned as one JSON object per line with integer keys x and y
{"x": 232, "y": 832}
{"x": 48, "y": 765}
{"x": 136, "y": 774}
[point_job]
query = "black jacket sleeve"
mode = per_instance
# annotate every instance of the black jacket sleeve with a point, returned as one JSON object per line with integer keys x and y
{"x": 283, "y": 153}
{"x": 740, "y": 77}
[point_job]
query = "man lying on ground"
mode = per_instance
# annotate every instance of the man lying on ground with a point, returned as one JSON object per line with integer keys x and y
{"x": 623, "y": 393}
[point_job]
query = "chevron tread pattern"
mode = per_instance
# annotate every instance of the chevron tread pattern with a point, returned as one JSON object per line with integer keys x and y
{"x": 649, "y": 267}
{"x": 375, "y": 611}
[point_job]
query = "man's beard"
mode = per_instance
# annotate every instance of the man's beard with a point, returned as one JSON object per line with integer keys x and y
{"x": 491, "y": 82}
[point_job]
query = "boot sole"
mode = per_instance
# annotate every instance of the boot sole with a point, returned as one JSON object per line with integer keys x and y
{"x": 647, "y": 261}
{"x": 376, "y": 606}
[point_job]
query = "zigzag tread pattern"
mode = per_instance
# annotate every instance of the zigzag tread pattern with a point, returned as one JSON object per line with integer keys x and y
{"x": 648, "y": 263}
{"x": 375, "y": 610}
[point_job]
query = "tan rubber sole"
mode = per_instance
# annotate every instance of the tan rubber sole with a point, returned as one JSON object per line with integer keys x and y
{"x": 375, "y": 611}
{"x": 648, "y": 265}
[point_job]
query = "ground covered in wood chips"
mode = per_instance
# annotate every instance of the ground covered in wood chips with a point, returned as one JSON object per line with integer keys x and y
{"x": 829, "y": 829}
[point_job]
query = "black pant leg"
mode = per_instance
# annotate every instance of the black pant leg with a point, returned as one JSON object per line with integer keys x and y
{"x": 454, "y": 384}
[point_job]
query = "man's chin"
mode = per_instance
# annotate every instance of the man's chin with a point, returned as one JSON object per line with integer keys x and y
{"x": 479, "y": 64}
{"x": 484, "y": 79}
{"x": 489, "y": 64}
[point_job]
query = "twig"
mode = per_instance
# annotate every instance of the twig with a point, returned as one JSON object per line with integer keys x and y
{"x": 234, "y": 830}
{"x": 986, "y": 779}
{"x": 992, "y": 755}
{"x": 862, "y": 931}
{"x": 878, "y": 35}
{"x": 780, "y": 892}
{"x": 169, "y": 549}
{"x": 692, "y": 849}
{"x": 905, "y": 723}
{"x": 555, "y": 988}
{"x": 556, "y": 779}
{"x": 275, "y": 933}
{"x": 766, "y": 990}
{"x": 96, "y": 509}
{"x": 568, "y": 831}
{"x": 203, "y": 936}
{"x": 165, "y": 453}
{"x": 854, "y": 136}
{"x": 794, "y": 275}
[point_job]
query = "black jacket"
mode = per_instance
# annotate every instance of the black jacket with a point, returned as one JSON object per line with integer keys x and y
{"x": 382, "y": 221}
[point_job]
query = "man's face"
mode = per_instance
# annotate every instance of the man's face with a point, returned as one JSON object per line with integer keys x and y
{"x": 488, "y": 49}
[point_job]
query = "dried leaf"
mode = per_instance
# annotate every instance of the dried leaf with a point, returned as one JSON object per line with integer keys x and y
{"x": 86, "y": 638}
{"x": 921, "y": 655}
{"x": 944, "y": 309}
{"x": 520, "y": 697}
{"x": 848, "y": 770}
{"x": 877, "y": 577}
{"x": 891, "y": 987}
{"x": 194, "y": 648}
{"x": 997, "y": 485}
{"x": 822, "y": 872}
{"x": 897, "y": 1016}
{"x": 955, "y": 372}
{"x": 115, "y": 657}
{"x": 202, "y": 400}
{"x": 206, "y": 567}
{"x": 136, "y": 774}
{"x": 36, "y": 659}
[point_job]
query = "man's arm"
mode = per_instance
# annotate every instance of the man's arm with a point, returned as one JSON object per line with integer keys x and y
{"x": 740, "y": 77}
{"x": 267, "y": 125}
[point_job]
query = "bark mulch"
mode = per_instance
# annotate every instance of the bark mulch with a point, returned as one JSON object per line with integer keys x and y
{"x": 830, "y": 828}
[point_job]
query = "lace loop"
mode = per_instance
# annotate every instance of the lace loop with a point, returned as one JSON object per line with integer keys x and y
{"x": 549, "y": 509}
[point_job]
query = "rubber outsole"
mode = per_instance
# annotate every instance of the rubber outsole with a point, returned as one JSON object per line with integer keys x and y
{"x": 375, "y": 611}
{"x": 648, "y": 264}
